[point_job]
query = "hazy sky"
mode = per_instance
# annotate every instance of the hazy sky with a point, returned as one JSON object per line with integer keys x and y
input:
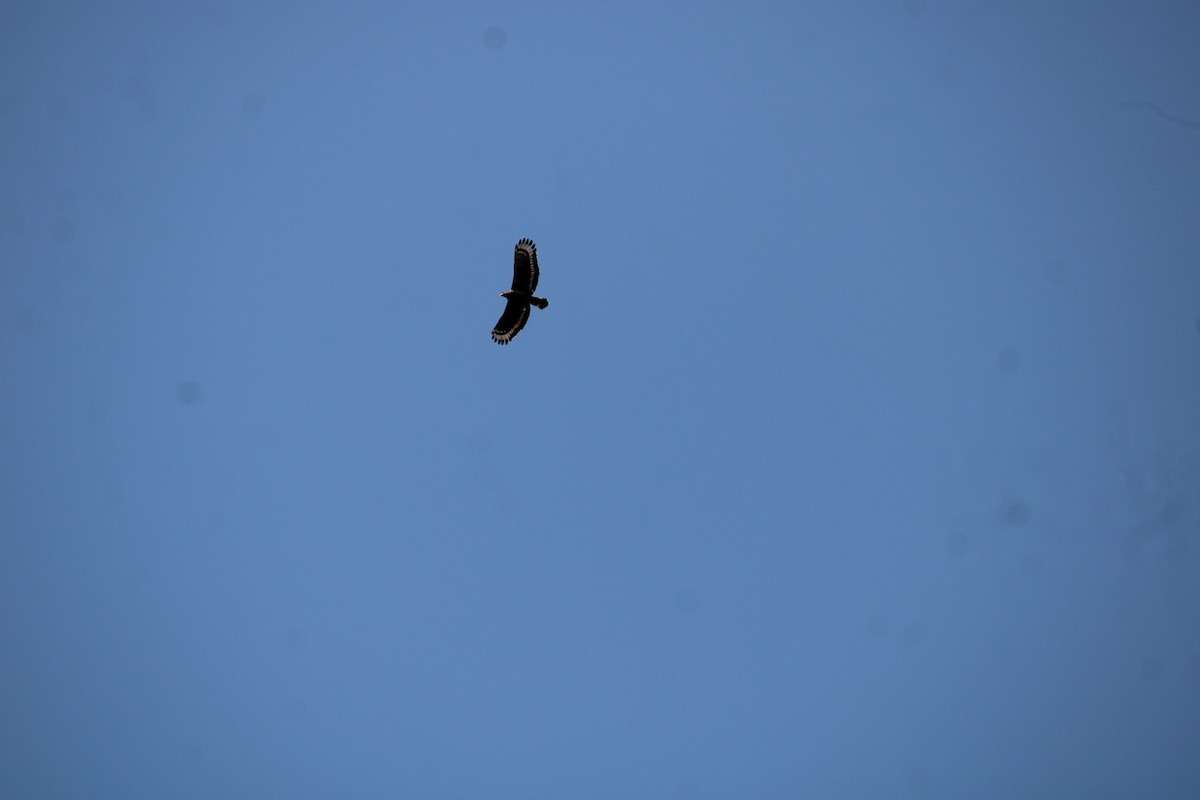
{"x": 857, "y": 455}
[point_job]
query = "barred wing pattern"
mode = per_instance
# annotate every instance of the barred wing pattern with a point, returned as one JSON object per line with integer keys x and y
{"x": 515, "y": 315}
{"x": 520, "y": 296}
{"x": 525, "y": 267}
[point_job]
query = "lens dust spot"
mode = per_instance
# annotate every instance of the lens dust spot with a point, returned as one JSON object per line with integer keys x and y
{"x": 916, "y": 780}
{"x": 187, "y": 392}
{"x": 957, "y": 544}
{"x": 64, "y": 200}
{"x": 495, "y": 37}
{"x": 1015, "y": 513}
{"x": 1056, "y": 271}
{"x": 97, "y": 413}
{"x": 913, "y": 635}
{"x": 192, "y": 755}
{"x": 29, "y": 321}
{"x": 687, "y": 602}
{"x": 1032, "y": 564}
{"x": 253, "y": 104}
{"x": 1008, "y": 361}
{"x": 878, "y": 625}
{"x": 62, "y": 230}
{"x": 295, "y": 639}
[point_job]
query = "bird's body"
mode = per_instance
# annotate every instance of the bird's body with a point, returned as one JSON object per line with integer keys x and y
{"x": 520, "y": 296}
{"x": 525, "y": 297}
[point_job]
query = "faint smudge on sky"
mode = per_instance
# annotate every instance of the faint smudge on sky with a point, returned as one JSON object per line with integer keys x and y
{"x": 187, "y": 392}
{"x": 1161, "y": 113}
{"x": 494, "y": 37}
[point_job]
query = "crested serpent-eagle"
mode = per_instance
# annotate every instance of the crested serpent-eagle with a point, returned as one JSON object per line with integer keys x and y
{"x": 520, "y": 296}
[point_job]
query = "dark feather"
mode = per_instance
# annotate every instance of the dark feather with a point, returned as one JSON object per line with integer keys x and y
{"x": 516, "y": 314}
{"x": 525, "y": 267}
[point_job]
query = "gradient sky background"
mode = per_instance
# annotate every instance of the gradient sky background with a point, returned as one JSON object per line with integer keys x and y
{"x": 857, "y": 455}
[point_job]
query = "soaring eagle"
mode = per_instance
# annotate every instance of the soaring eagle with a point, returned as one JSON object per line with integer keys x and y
{"x": 525, "y": 279}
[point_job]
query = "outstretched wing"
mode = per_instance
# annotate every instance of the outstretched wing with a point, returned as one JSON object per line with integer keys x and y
{"x": 525, "y": 268}
{"x": 516, "y": 314}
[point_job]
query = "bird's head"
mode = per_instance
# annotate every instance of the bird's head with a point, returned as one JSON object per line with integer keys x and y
{"x": 506, "y": 293}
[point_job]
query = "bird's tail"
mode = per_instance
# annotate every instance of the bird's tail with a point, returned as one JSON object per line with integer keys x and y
{"x": 540, "y": 302}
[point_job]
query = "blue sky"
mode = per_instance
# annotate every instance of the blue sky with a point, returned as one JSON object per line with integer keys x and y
{"x": 856, "y": 456}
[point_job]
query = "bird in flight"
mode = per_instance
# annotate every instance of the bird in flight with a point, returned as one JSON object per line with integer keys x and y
{"x": 520, "y": 296}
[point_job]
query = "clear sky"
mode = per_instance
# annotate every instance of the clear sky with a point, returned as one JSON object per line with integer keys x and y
{"x": 857, "y": 455}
